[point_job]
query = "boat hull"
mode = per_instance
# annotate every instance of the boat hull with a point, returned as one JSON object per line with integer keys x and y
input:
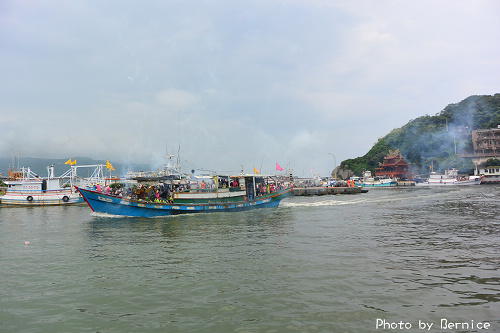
{"x": 456, "y": 183}
{"x": 491, "y": 180}
{"x": 50, "y": 198}
{"x": 108, "y": 204}
{"x": 453, "y": 182}
{"x": 375, "y": 184}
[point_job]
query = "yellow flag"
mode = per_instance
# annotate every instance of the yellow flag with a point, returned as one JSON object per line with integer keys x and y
{"x": 109, "y": 166}
{"x": 255, "y": 171}
{"x": 68, "y": 162}
{"x": 73, "y": 163}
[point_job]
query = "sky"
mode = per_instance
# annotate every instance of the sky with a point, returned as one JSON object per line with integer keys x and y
{"x": 228, "y": 85}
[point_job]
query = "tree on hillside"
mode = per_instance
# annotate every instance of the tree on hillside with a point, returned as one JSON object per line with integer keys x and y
{"x": 492, "y": 162}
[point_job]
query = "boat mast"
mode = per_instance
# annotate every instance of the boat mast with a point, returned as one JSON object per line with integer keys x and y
{"x": 254, "y": 188}
{"x": 179, "y": 149}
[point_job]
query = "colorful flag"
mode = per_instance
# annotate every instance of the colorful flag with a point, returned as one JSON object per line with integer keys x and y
{"x": 109, "y": 166}
{"x": 68, "y": 162}
{"x": 278, "y": 167}
{"x": 73, "y": 163}
{"x": 255, "y": 170}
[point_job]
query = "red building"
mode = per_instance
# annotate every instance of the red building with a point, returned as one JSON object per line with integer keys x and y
{"x": 394, "y": 166}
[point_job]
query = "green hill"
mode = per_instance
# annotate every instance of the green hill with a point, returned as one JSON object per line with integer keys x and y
{"x": 438, "y": 139}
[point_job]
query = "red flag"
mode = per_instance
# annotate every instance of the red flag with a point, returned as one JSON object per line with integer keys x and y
{"x": 278, "y": 167}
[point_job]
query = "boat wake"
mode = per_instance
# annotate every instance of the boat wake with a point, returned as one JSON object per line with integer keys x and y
{"x": 349, "y": 200}
{"x": 106, "y": 215}
{"x": 113, "y": 216}
{"x": 321, "y": 203}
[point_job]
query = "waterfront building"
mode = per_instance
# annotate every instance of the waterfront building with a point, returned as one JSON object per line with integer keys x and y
{"x": 486, "y": 145}
{"x": 486, "y": 142}
{"x": 491, "y": 174}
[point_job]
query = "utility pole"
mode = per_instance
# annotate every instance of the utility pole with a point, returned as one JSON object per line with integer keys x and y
{"x": 335, "y": 161}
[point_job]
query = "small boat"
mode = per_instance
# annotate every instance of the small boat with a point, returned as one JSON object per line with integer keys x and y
{"x": 225, "y": 194}
{"x": 25, "y": 188}
{"x": 451, "y": 177}
{"x": 369, "y": 181}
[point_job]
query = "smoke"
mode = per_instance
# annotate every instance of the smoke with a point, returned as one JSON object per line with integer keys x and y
{"x": 439, "y": 140}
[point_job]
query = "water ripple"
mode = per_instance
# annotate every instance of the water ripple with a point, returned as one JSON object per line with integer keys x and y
{"x": 316, "y": 264}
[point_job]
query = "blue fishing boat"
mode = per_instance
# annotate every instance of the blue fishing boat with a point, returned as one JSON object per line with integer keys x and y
{"x": 226, "y": 194}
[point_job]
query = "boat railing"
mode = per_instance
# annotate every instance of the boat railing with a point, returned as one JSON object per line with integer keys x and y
{"x": 27, "y": 174}
{"x": 201, "y": 190}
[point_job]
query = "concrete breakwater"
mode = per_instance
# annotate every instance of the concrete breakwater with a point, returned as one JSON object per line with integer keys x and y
{"x": 308, "y": 191}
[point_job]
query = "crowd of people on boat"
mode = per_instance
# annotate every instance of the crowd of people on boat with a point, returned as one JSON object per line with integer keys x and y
{"x": 163, "y": 192}
{"x": 263, "y": 189}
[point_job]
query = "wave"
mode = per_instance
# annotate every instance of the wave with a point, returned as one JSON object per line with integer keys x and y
{"x": 106, "y": 215}
{"x": 321, "y": 203}
{"x": 350, "y": 200}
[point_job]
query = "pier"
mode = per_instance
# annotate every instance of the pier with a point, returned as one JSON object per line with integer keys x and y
{"x": 309, "y": 191}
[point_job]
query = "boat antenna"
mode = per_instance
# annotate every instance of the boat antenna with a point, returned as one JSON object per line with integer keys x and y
{"x": 166, "y": 146}
{"x": 179, "y": 149}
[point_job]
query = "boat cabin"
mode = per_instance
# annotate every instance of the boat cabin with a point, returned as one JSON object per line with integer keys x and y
{"x": 212, "y": 189}
{"x": 27, "y": 181}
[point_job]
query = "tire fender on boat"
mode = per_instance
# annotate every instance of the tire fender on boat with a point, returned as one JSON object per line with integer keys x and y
{"x": 29, "y": 198}
{"x": 65, "y": 198}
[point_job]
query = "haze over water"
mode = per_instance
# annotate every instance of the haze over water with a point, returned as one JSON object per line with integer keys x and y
{"x": 317, "y": 264}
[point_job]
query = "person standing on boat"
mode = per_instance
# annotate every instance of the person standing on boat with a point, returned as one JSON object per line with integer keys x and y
{"x": 98, "y": 188}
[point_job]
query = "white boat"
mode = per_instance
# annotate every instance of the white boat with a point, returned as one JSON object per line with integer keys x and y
{"x": 369, "y": 181}
{"x": 451, "y": 177}
{"x": 25, "y": 188}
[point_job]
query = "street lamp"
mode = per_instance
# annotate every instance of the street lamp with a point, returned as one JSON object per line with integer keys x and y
{"x": 335, "y": 161}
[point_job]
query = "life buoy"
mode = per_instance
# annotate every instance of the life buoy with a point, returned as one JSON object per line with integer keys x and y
{"x": 29, "y": 198}
{"x": 65, "y": 198}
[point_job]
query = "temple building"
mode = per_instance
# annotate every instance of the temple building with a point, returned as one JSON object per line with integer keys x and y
{"x": 394, "y": 166}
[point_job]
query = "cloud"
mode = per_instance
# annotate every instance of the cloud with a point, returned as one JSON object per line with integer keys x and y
{"x": 176, "y": 99}
{"x": 234, "y": 83}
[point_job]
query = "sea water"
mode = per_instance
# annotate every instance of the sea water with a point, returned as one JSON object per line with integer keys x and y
{"x": 398, "y": 259}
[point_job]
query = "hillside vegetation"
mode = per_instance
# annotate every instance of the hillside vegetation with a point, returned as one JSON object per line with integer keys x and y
{"x": 436, "y": 140}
